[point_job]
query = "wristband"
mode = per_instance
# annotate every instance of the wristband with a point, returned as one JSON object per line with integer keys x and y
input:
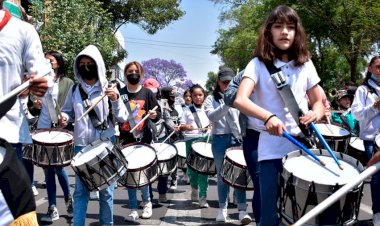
{"x": 266, "y": 121}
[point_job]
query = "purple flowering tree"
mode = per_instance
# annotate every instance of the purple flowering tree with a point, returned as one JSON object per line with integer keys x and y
{"x": 167, "y": 73}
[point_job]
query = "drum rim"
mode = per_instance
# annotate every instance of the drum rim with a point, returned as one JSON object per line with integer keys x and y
{"x": 201, "y": 141}
{"x": 143, "y": 144}
{"x": 335, "y": 124}
{"x": 52, "y": 144}
{"x": 165, "y": 160}
{"x": 91, "y": 144}
{"x": 232, "y": 161}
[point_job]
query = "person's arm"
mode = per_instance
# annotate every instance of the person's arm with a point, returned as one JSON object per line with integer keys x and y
{"x": 119, "y": 111}
{"x": 215, "y": 114}
{"x": 153, "y": 115}
{"x": 67, "y": 110}
{"x": 318, "y": 110}
{"x": 375, "y": 159}
{"x": 360, "y": 110}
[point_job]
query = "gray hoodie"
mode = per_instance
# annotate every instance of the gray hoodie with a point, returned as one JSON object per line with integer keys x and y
{"x": 84, "y": 131}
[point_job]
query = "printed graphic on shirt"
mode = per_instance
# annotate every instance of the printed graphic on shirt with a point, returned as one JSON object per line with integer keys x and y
{"x": 138, "y": 112}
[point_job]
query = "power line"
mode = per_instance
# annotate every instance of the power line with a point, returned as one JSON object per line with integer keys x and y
{"x": 171, "y": 44}
{"x": 174, "y": 46}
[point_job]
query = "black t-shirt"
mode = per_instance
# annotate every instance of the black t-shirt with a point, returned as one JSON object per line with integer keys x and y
{"x": 140, "y": 103}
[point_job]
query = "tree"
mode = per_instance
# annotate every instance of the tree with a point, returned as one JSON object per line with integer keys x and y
{"x": 212, "y": 77}
{"x": 71, "y": 25}
{"x": 151, "y": 15}
{"x": 167, "y": 73}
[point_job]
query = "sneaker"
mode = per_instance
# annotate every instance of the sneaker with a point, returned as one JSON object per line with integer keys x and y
{"x": 173, "y": 185}
{"x": 35, "y": 191}
{"x": 194, "y": 194}
{"x": 69, "y": 207}
{"x": 376, "y": 219}
{"x": 147, "y": 211}
{"x": 162, "y": 198}
{"x": 244, "y": 218}
{"x": 222, "y": 215}
{"x": 142, "y": 204}
{"x": 94, "y": 195}
{"x": 203, "y": 202}
{"x": 51, "y": 215}
{"x": 43, "y": 184}
{"x": 132, "y": 217}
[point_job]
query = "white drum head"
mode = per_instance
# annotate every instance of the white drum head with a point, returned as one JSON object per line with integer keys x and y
{"x": 336, "y": 131}
{"x": 306, "y": 168}
{"x": 52, "y": 137}
{"x": 138, "y": 155}
{"x": 164, "y": 151}
{"x": 181, "y": 148}
{"x": 236, "y": 154}
{"x": 357, "y": 143}
{"x": 203, "y": 149}
{"x": 90, "y": 152}
{"x": 2, "y": 154}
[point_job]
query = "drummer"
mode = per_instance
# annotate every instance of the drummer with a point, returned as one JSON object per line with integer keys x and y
{"x": 342, "y": 102}
{"x": 226, "y": 133}
{"x": 59, "y": 90}
{"x": 90, "y": 72}
{"x": 140, "y": 100}
{"x": 194, "y": 119}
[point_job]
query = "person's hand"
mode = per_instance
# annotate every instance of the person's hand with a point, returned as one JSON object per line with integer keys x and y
{"x": 38, "y": 86}
{"x": 37, "y": 104}
{"x": 176, "y": 129}
{"x": 275, "y": 126}
{"x": 112, "y": 93}
{"x": 377, "y": 104}
{"x": 310, "y": 117}
{"x": 152, "y": 114}
{"x": 375, "y": 159}
{"x": 62, "y": 122}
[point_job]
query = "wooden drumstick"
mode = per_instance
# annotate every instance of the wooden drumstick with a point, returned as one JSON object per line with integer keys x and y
{"x": 146, "y": 116}
{"x": 167, "y": 138}
{"x": 97, "y": 102}
{"x": 329, "y": 125}
{"x": 338, "y": 194}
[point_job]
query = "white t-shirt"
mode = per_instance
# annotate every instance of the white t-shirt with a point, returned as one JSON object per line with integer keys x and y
{"x": 266, "y": 95}
{"x": 188, "y": 119}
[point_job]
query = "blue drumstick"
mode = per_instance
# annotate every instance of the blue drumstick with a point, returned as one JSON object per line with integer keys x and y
{"x": 300, "y": 145}
{"x": 325, "y": 144}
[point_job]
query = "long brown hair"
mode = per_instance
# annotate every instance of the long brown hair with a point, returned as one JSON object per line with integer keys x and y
{"x": 266, "y": 51}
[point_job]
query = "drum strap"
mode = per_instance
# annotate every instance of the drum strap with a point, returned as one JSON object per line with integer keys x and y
{"x": 92, "y": 114}
{"x": 311, "y": 199}
{"x": 195, "y": 115}
{"x": 130, "y": 120}
{"x": 291, "y": 193}
{"x": 287, "y": 95}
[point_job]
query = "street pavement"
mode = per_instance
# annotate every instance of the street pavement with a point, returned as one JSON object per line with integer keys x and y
{"x": 177, "y": 211}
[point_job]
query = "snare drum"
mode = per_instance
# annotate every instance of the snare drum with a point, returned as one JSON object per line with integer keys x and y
{"x": 167, "y": 158}
{"x": 336, "y": 136}
{"x": 142, "y": 167}
{"x": 234, "y": 171}
{"x": 181, "y": 148}
{"x": 52, "y": 147}
{"x": 356, "y": 150}
{"x": 99, "y": 164}
{"x": 305, "y": 183}
{"x": 201, "y": 158}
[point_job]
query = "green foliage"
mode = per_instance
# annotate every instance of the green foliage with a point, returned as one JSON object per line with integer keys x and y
{"x": 151, "y": 15}
{"x": 70, "y": 25}
{"x": 212, "y": 77}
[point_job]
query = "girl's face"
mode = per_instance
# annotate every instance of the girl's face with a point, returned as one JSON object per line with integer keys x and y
{"x": 53, "y": 61}
{"x": 197, "y": 97}
{"x": 223, "y": 85}
{"x": 345, "y": 102}
{"x": 283, "y": 34}
{"x": 132, "y": 69}
{"x": 187, "y": 98}
{"x": 374, "y": 68}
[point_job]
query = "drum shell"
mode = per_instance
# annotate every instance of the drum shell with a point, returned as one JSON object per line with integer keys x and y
{"x": 142, "y": 176}
{"x": 28, "y": 153}
{"x": 322, "y": 191}
{"x": 54, "y": 155}
{"x": 357, "y": 153}
{"x": 181, "y": 150}
{"x": 337, "y": 143}
{"x": 166, "y": 166}
{"x": 103, "y": 169}
{"x": 235, "y": 174}
{"x": 200, "y": 163}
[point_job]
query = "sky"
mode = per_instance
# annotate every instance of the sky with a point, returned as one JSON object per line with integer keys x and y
{"x": 188, "y": 41}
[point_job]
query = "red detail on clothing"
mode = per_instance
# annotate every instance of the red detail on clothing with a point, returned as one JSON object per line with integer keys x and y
{"x": 6, "y": 18}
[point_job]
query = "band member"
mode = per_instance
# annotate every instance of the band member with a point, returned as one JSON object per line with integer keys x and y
{"x": 343, "y": 103}
{"x": 140, "y": 102}
{"x": 281, "y": 42}
{"x": 90, "y": 72}
{"x": 189, "y": 125}
{"x": 365, "y": 109}
{"x": 226, "y": 133}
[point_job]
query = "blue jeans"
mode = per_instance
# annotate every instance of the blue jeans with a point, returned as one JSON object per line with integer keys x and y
{"x": 51, "y": 187}
{"x": 133, "y": 198}
{"x": 219, "y": 145}
{"x": 27, "y": 164}
{"x": 162, "y": 186}
{"x": 270, "y": 171}
{"x": 370, "y": 149}
{"x": 250, "y": 144}
{"x": 82, "y": 195}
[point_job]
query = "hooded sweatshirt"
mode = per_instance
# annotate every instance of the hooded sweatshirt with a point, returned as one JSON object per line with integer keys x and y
{"x": 84, "y": 131}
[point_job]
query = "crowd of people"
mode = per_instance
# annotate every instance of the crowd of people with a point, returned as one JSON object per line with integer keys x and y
{"x": 247, "y": 110}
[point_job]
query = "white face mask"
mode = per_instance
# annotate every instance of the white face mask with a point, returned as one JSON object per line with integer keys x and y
{"x": 374, "y": 78}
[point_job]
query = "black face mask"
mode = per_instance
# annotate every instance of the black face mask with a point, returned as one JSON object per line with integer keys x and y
{"x": 171, "y": 101}
{"x": 133, "y": 79}
{"x": 90, "y": 72}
